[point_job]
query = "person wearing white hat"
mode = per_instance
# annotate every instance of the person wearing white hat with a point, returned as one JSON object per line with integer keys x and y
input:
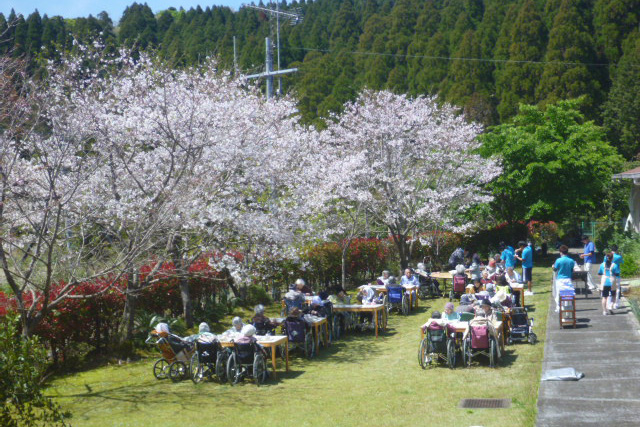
{"x": 247, "y": 335}
{"x": 302, "y": 286}
{"x": 236, "y": 326}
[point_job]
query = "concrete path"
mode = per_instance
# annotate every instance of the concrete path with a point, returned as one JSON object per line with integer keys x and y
{"x": 607, "y": 350}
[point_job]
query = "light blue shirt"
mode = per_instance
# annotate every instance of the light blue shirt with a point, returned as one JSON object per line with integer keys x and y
{"x": 614, "y": 270}
{"x": 564, "y": 267}
{"x": 406, "y": 281}
{"x": 451, "y": 317}
{"x": 590, "y": 248}
{"x": 508, "y": 257}
{"x": 527, "y": 257}
{"x": 617, "y": 259}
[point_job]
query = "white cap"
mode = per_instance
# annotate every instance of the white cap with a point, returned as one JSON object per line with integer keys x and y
{"x": 248, "y": 330}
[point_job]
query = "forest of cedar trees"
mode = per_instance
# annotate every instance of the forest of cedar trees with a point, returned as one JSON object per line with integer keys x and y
{"x": 486, "y": 56}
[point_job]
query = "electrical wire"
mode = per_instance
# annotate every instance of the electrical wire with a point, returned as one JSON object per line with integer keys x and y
{"x": 448, "y": 58}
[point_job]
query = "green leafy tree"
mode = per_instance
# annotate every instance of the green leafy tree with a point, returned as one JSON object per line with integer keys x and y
{"x": 622, "y": 109}
{"x": 613, "y": 20}
{"x": 556, "y": 164}
{"x": 23, "y": 362}
{"x": 138, "y": 26}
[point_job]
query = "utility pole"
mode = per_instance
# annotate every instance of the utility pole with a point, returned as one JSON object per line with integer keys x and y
{"x": 293, "y": 17}
{"x": 235, "y": 57}
{"x": 269, "y": 73}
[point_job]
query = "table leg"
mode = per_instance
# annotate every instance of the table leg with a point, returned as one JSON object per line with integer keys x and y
{"x": 326, "y": 332}
{"x": 273, "y": 361}
{"x": 375, "y": 315}
{"x": 317, "y": 328}
{"x": 286, "y": 346}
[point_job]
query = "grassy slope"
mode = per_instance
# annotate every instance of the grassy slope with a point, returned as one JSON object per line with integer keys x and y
{"x": 357, "y": 381}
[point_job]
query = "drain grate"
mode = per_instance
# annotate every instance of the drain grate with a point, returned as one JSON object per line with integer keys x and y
{"x": 485, "y": 403}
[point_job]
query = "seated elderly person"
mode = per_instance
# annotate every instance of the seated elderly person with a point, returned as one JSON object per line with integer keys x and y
{"x": 204, "y": 334}
{"x": 486, "y": 311}
{"x": 339, "y": 297}
{"x": 512, "y": 276}
{"x": 316, "y": 308}
{"x": 449, "y": 314}
{"x": 384, "y": 279}
{"x": 247, "y": 335}
{"x": 236, "y": 326}
{"x": 391, "y": 282}
{"x": 302, "y": 287}
{"x": 491, "y": 289}
{"x": 503, "y": 299}
{"x": 367, "y": 296}
{"x": 436, "y": 317}
{"x": 466, "y": 304}
{"x": 409, "y": 279}
{"x": 262, "y": 323}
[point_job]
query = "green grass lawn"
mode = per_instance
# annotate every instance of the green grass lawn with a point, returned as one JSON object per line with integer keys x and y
{"x": 357, "y": 381}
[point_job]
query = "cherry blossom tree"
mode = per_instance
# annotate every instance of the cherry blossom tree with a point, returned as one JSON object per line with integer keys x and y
{"x": 200, "y": 146}
{"x": 411, "y": 164}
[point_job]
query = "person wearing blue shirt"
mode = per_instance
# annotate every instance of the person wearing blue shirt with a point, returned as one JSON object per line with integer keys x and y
{"x": 410, "y": 280}
{"x": 563, "y": 267}
{"x": 526, "y": 258}
{"x": 507, "y": 256}
{"x": 617, "y": 259}
{"x": 589, "y": 257}
{"x": 608, "y": 270}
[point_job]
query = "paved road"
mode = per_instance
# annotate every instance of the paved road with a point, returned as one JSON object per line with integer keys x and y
{"x": 607, "y": 350}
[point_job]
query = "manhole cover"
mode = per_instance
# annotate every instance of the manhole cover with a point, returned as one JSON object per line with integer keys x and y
{"x": 485, "y": 403}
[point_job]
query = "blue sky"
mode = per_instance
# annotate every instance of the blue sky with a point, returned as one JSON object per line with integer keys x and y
{"x": 78, "y": 8}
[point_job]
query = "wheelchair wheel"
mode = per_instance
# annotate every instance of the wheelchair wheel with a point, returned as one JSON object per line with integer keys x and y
{"x": 533, "y": 338}
{"x": 423, "y": 351}
{"x": 309, "y": 345}
{"x": 466, "y": 353}
{"x": 161, "y": 369}
{"x": 405, "y": 304}
{"x": 493, "y": 353}
{"x": 451, "y": 354}
{"x": 177, "y": 371}
{"x": 221, "y": 366}
{"x": 197, "y": 370}
{"x": 259, "y": 369}
{"x": 385, "y": 302}
{"x": 232, "y": 369}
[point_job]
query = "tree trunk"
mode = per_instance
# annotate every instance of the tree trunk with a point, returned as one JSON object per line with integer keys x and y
{"x": 130, "y": 307}
{"x": 344, "y": 267}
{"x": 187, "y": 306}
{"x": 230, "y": 282}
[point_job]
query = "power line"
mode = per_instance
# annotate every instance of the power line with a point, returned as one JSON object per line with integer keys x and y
{"x": 449, "y": 58}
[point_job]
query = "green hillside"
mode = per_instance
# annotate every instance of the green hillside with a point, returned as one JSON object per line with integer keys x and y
{"x": 484, "y": 55}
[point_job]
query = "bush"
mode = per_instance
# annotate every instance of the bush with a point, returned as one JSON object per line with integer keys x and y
{"x": 629, "y": 248}
{"x": 23, "y": 363}
{"x": 256, "y": 294}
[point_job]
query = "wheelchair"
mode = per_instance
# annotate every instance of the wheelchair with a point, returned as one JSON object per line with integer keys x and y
{"x": 247, "y": 360}
{"x": 209, "y": 359}
{"x": 439, "y": 343}
{"x": 458, "y": 287}
{"x": 300, "y": 336}
{"x": 288, "y": 305}
{"x": 479, "y": 341}
{"x": 176, "y": 355}
{"x": 396, "y": 298}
